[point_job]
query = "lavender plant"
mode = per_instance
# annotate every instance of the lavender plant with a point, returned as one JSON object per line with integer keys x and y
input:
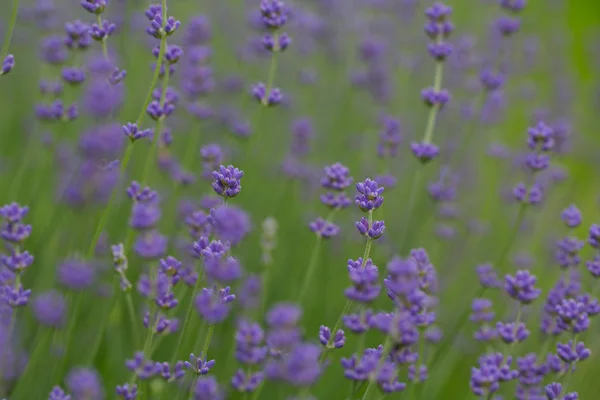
{"x": 185, "y": 269}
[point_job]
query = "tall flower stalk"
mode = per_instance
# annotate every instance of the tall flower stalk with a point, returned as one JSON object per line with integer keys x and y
{"x": 336, "y": 180}
{"x": 274, "y": 15}
{"x": 438, "y": 29}
{"x": 161, "y": 27}
{"x": 363, "y": 273}
{"x": 8, "y": 60}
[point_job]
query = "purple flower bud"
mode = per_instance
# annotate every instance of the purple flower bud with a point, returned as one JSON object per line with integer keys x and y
{"x": 199, "y": 365}
{"x": 274, "y": 14}
{"x": 594, "y": 236}
{"x": 439, "y": 51}
{"x": 213, "y": 304}
{"x": 84, "y": 383}
{"x": 571, "y": 216}
{"x": 534, "y": 197}
{"x": 276, "y": 44}
{"x": 369, "y": 196}
{"x": 482, "y": 311}
{"x": 227, "y": 181}
{"x": 247, "y": 382}
{"x": 94, "y": 6}
{"x": 337, "y": 177}
{"x": 508, "y": 26}
{"x": 335, "y": 200}
{"x": 134, "y": 133}
{"x": 570, "y": 353}
{"x": 514, "y": 6}
{"x": 102, "y": 31}
{"x": 273, "y": 98}
{"x": 432, "y": 98}
{"x": 424, "y": 152}
{"x": 127, "y": 391}
{"x": 438, "y": 12}
{"x": 434, "y": 30}
{"x": 156, "y": 28}
{"x": 364, "y": 279}
{"x": 373, "y": 231}
{"x": 323, "y": 228}
{"x": 58, "y": 394}
{"x": 521, "y": 287}
{"x": 336, "y": 342}
{"x": 594, "y": 267}
{"x": 572, "y": 315}
{"x": 117, "y": 76}
{"x": 512, "y": 332}
{"x": 207, "y": 388}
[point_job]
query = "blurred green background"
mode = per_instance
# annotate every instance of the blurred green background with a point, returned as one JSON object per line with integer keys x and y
{"x": 567, "y": 33}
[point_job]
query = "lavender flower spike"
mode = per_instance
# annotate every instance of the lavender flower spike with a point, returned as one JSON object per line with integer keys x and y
{"x": 369, "y": 196}
{"x": 227, "y": 181}
{"x": 7, "y": 64}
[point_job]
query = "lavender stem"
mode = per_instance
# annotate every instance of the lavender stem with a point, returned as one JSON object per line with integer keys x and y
{"x": 10, "y": 30}
{"x": 127, "y": 157}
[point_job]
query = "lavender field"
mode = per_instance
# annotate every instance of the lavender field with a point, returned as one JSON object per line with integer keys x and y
{"x": 299, "y": 199}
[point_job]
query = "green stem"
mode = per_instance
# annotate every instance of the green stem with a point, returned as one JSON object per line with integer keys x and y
{"x": 271, "y": 76}
{"x": 100, "y": 331}
{"x": 349, "y": 302}
{"x": 314, "y": 257}
{"x": 104, "y": 47}
{"x": 127, "y": 157}
{"x": 433, "y": 111}
{"x": 157, "y": 131}
{"x": 569, "y": 374}
{"x": 513, "y": 236}
{"x": 416, "y": 182}
{"x": 427, "y": 137}
{"x": 465, "y": 314}
{"x": 23, "y": 383}
{"x": 211, "y": 329}
{"x": 11, "y": 28}
{"x": 151, "y": 156}
{"x": 9, "y": 339}
{"x": 264, "y": 100}
{"x": 132, "y": 316}
{"x": 76, "y": 298}
{"x": 187, "y": 318}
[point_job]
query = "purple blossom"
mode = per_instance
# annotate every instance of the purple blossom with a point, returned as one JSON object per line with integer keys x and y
{"x": 364, "y": 276}
{"x": 521, "y": 287}
{"x": 207, "y": 388}
{"x": 133, "y": 133}
{"x": 94, "y": 6}
{"x": 372, "y": 230}
{"x": 323, "y": 228}
{"x": 7, "y": 64}
{"x": 571, "y": 216}
{"x": 512, "y": 332}
{"x": 58, "y": 393}
{"x": 336, "y": 341}
{"x": 271, "y": 98}
{"x": 424, "y": 152}
{"x": 214, "y": 304}
{"x": 301, "y": 367}
{"x": 127, "y": 391}
{"x": 368, "y": 197}
{"x": 227, "y": 181}
{"x": 199, "y": 365}
{"x": 337, "y": 177}
{"x": 247, "y": 382}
